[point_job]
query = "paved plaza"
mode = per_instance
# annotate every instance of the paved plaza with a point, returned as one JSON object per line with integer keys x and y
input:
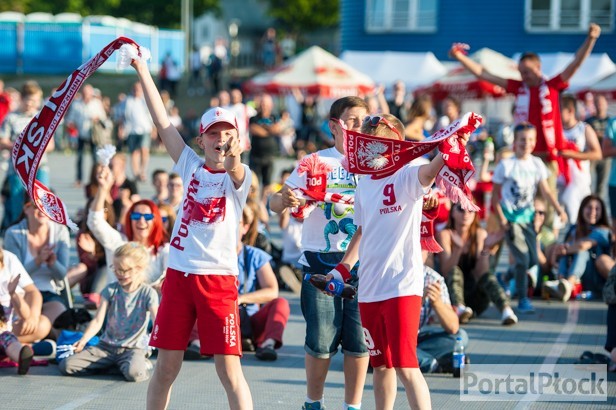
{"x": 557, "y": 333}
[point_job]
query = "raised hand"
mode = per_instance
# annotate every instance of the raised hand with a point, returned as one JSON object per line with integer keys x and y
{"x": 594, "y": 30}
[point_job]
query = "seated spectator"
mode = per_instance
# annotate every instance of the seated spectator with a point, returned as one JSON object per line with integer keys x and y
{"x": 91, "y": 271}
{"x": 160, "y": 182}
{"x": 168, "y": 215}
{"x": 14, "y": 309}
{"x": 435, "y": 345}
{"x": 466, "y": 258}
{"x": 176, "y": 191}
{"x": 585, "y": 257}
{"x": 258, "y": 294}
{"x": 127, "y": 306}
{"x": 43, "y": 246}
{"x": 142, "y": 224}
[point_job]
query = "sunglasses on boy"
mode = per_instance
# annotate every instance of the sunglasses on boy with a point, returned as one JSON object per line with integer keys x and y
{"x": 135, "y": 216}
{"x": 376, "y": 120}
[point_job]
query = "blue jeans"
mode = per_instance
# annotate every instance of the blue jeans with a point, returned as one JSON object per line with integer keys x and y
{"x": 330, "y": 321}
{"x": 434, "y": 343}
{"x": 582, "y": 266}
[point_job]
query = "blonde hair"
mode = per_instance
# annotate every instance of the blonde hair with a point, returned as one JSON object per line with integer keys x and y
{"x": 139, "y": 257}
{"x": 384, "y": 127}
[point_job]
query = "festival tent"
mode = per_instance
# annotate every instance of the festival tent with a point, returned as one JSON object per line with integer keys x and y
{"x": 315, "y": 72}
{"x": 460, "y": 83}
{"x": 606, "y": 86}
{"x": 386, "y": 67}
{"x": 594, "y": 68}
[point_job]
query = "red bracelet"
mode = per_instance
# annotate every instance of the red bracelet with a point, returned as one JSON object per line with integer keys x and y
{"x": 346, "y": 274}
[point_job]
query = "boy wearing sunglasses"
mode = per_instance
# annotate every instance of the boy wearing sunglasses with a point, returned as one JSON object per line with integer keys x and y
{"x": 201, "y": 281}
{"x": 330, "y": 322}
{"x": 516, "y": 181}
{"x": 388, "y": 213}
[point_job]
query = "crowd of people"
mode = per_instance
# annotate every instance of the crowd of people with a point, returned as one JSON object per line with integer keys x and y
{"x": 163, "y": 273}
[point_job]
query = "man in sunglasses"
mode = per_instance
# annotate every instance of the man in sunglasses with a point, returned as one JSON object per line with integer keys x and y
{"x": 331, "y": 322}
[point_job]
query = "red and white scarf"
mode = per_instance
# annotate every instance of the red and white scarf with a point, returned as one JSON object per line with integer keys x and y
{"x": 32, "y": 143}
{"x": 380, "y": 157}
{"x": 316, "y": 171}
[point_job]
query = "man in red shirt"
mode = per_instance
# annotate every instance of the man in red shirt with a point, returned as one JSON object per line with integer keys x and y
{"x": 537, "y": 98}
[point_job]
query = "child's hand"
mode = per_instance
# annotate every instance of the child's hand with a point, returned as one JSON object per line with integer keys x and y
{"x": 79, "y": 345}
{"x": 289, "y": 200}
{"x": 463, "y": 138}
{"x": 12, "y": 286}
{"x": 232, "y": 147}
{"x": 430, "y": 201}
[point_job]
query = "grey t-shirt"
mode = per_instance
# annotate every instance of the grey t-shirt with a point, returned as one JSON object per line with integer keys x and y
{"x": 128, "y": 316}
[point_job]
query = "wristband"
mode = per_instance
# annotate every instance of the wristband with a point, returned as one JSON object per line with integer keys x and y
{"x": 345, "y": 274}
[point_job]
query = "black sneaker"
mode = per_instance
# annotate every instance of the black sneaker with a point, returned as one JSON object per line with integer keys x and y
{"x": 25, "y": 359}
{"x": 266, "y": 353}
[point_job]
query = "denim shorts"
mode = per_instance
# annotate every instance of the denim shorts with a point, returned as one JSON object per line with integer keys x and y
{"x": 52, "y": 297}
{"x": 330, "y": 321}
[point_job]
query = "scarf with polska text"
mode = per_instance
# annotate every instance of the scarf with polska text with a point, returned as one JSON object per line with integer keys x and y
{"x": 33, "y": 141}
{"x": 381, "y": 157}
{"x": 315, "y": 170}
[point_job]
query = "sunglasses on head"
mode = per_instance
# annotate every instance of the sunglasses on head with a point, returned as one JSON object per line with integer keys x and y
{"x": 523, "y": 126}
{"x": 376, "y": 120}
{"x": 135, "y": 216}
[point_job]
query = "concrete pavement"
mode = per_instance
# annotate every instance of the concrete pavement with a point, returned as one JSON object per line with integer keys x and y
{"x": 556, "y": 333}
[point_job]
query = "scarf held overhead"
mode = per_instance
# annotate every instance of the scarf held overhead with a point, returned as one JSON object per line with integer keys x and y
{"x": 381, "y": 157}
{"x": 33, "y": 141}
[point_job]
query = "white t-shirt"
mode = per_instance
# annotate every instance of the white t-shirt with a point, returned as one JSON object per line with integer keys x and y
{"x": 580, "y": 184}
{"x": 12, "y": 267}
{"x": 389, "y": 213}
{"x": 519, "y": 179}
{"x": 204, "y": 240}
{"x": 326, "y": 228}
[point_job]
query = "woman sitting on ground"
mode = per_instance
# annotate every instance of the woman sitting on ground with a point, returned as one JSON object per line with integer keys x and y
{"x": 584, "y": 260}
{"x": 465, "y": 258}
{"x": 43, "y": 247}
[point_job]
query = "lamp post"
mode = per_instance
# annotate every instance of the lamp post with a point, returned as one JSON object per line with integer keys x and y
{"x": 186, "y": 28}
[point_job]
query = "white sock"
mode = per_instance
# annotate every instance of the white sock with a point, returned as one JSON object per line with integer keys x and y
{"x": 353, "y": 406}
{"x": 321, "y": 400}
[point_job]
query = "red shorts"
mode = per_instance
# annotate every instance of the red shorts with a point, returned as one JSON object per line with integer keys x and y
{"x": 390, "y": 328}
{"x": 209, "y": 299}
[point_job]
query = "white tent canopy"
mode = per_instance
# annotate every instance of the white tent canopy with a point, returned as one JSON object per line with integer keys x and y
{"x": 314, "y": 71}
{"x": 594, "y": 68}
{"x": 606, "y": 86}
{"x": 386, "y": 67}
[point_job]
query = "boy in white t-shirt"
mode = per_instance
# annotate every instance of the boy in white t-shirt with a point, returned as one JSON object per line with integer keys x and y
{"x": 327, "y": 230}
{"x": 515, "y": 184}
{"x": 388, "y": 213}
{"x": 201, "y": 281}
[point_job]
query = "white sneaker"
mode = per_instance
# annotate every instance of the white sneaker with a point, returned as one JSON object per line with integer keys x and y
{"x": 565, "y": 287}
{"x": 551, "y": 288}
{"x": 508, "y": 318}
